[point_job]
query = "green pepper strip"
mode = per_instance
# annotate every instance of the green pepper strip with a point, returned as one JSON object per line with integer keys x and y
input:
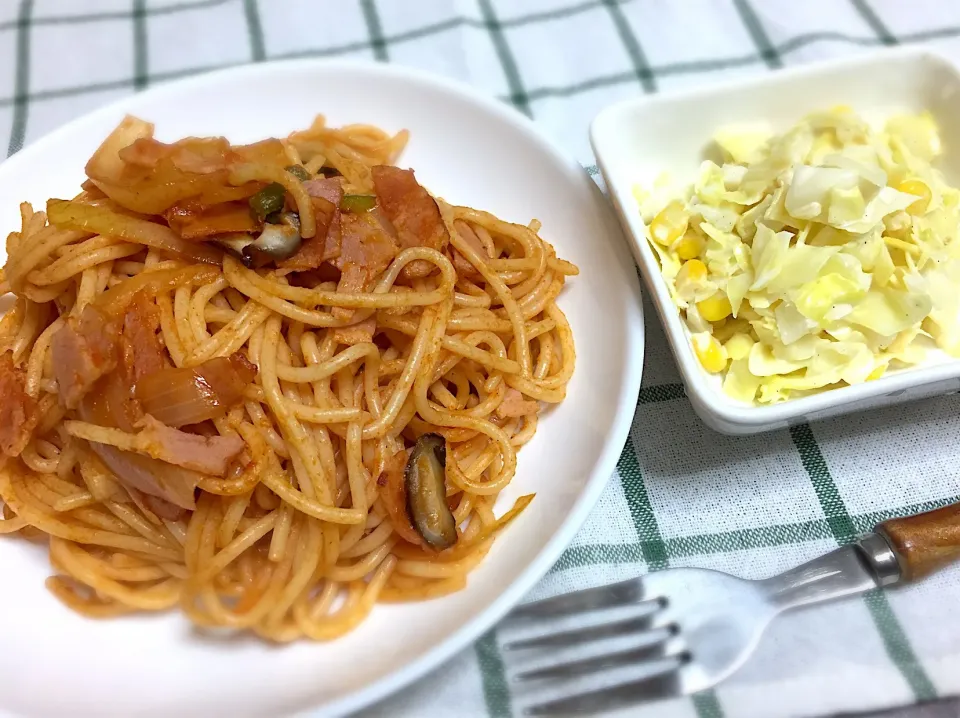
{"x": 298, "y": 171}
{"x": 357, "y": 203}
{"x": 268, "y": 200}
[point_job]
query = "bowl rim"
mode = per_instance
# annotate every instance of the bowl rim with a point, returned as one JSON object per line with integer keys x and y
{"x": 622, "y": 418}
{"x": 705, "y": 397}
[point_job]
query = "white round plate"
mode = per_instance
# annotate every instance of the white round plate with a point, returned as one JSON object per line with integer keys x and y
{"x": 469, "y": 150}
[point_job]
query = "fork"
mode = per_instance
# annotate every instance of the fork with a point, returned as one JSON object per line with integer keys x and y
{"x": 687, "y": 629}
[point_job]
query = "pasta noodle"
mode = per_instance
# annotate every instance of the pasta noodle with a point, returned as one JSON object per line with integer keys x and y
{"x": 282, "y": 503}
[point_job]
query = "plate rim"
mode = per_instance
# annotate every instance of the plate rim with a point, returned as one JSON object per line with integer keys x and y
{"x": 633, "y": 319}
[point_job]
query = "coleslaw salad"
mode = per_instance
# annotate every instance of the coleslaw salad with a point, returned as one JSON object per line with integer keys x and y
{"x": 814, "y": 259}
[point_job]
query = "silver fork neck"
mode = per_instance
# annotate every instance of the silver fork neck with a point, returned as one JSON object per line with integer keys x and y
{"x": 881, "y": 558}
{"x": 842, "y": 572}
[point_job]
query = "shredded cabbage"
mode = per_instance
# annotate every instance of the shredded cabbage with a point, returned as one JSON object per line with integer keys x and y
{"x": 834, "y": 248}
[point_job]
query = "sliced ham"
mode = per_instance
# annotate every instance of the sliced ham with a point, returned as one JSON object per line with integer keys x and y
{"x": 18, "y": 410}
{"x": 83, "y": 351}
{"x": 366, "y": 250}
{"x": 140, "y": 343}
{"x": 356, "y": 333}
{"x": 208, "y": 455}
{"x": 154, "y": 504}
{"x": 514, "y": 405}
{"x": 328, "y": 188}
{"x": 412, "y": 211}
{"x": 365, "y": 243}
{"x": 460, "y": 263}
{"x": 203, "y": 155}
{"x": 195, "y": 155}
{"x": 333, "y": 239}
{"x": 144, "y": 152}
{"x": 325, "y": 195}
{"x": 353, "y": 279}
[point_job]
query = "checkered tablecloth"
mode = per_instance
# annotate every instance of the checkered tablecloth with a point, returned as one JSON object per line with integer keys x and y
{"x": 682, "y": 495}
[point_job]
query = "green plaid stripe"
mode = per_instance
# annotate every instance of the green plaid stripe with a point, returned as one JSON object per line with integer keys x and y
{"x": 729, "y": 541}
{"x": 140, "y": 70}
{"x": 176, "y": 8}
{"x": 693, "y": 67}
{"x": 707, "y": 705}
{"x": 519, "y": 96}
{"x": 493, "y": 676}
{"x": 839, "y": 521}
{"x": 837, "y": 524}
{"x": 82, "y": 19}
{"x": 874, "y": 21}
{"x": 632, "y": 45}
{"x": 652, "y": 547}
{"x": 372, "y": 18}
{"x": 844, "y": 531}
{"x": 768, "y": 52}
{"x": 20, "y": 99}
{"x": 251, "y": 11}
{"x": 898, "y": 646}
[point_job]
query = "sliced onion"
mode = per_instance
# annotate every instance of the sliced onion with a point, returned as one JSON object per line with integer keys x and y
{"x": 156, "y": 281}
{"x": 67, "y": 214}
{"x": 190, "y": 395}
{"x": 109, "y": 405}
{"x": 106, "y": 165}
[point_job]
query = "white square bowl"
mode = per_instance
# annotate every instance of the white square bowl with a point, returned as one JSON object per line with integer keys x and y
{"x": 636, "y": 140}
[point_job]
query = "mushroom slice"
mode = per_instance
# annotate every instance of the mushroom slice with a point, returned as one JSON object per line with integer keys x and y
{"x": 427, "y": 494}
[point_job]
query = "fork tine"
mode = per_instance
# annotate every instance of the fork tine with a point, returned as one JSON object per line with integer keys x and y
{"x": 565, "y": 639}
{"x": 574, "y": 669}
{"x": 590, "y": 599}
{"x": 651, "y": 688}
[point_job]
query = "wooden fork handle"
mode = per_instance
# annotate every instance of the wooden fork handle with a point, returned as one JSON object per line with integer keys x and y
{"x": 924, "y": 543}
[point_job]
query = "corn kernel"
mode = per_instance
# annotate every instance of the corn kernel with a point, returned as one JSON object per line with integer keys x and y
{"x": 712, "y": 355}
{"x": 693, "y": 271}
{"x": 715, "y": 308}
{"x": 725, "y": 329}
{"x": 921, "y": 190}
{"x": 669, "y": 225}
{"x": 738, "y": 346}
{"x": 689, "y": 246}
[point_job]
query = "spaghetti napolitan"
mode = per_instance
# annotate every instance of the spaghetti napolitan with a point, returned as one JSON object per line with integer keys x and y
{"x": 271, "y": 384}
